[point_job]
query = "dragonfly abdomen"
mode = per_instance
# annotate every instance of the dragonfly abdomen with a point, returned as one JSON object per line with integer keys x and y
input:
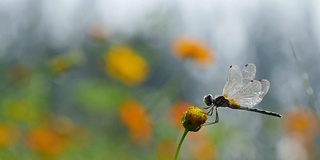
{"x": 261, "y": 111}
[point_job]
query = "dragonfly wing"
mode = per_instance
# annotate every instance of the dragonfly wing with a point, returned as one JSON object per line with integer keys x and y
{"x": 249, "y": 94}
{"x": 265, "y": 84}
{"x": 234, "y": 81}
{"x": 249, "y": 71}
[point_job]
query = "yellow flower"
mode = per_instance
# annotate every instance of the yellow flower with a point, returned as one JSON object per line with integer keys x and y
{"x": 125, "y": 65}
{"x": 194, "y": 49}
{"x": 194, "y": 118}
{"x": 135, "y": 118}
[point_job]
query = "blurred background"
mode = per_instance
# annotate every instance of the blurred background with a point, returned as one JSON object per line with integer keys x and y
{"x": 111, "y": 79}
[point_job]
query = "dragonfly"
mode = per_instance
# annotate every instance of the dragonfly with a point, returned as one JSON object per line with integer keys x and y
{"x": 240, "y": 92}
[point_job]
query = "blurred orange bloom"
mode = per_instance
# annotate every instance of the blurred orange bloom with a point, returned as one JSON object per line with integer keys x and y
{"x": 135, "y": 118}
{"x": 177, "y": 111}
{"x": 301, "y": 121}
{"x": 45, "y": 141}
{"x": 125, "y": 65}
{"x": 194, "y": 49}
{"x": 9, "y": 135}
{"x": 302, "y": 125}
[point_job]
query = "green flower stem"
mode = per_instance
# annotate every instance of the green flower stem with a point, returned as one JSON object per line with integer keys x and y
{"x": 304, "y": 76}
{"x": 180, "y": 143}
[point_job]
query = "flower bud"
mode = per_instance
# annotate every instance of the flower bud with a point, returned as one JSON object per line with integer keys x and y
{"x": 193, "y": 118}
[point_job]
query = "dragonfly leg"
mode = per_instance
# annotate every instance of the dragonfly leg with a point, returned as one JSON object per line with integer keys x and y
{"x": 206, "y": 107}
{"x": 217, "y": 117}
{"x": 210, "y": 111}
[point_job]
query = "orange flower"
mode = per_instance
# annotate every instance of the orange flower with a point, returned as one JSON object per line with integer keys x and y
{"x": 177, "y": 110}
{"x": 135, "y": 118}
{"x": 9, "y": 135}
{"x": 125, "y": 65}
{"x": 193, "y": 49}
{"x": 302, "y": 125}
{"x": 301, "y": 121}
{"x": 45, "y": 141}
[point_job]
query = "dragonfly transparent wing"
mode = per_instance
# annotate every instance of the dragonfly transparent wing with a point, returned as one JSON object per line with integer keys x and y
{"x": 249, "y": 71}
{"x": 249, "y": 95}
{"x": 234, "y": 81}
{"x": 265, "y": 84}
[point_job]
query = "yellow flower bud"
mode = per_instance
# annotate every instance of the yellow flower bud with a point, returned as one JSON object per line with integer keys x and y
{"x": 193, "y": 119}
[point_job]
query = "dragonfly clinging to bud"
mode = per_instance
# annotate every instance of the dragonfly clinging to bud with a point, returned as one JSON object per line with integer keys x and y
{"x": 241, "y": 92}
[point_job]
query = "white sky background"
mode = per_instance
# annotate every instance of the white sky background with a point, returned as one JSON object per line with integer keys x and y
{"x": 230, "y": 27}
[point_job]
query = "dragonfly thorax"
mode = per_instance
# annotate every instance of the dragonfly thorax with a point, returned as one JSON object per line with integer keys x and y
{"x": 221, "y": 101}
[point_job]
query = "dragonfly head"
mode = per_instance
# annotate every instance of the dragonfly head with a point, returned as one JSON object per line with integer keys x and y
{"x": 208, "y": 100}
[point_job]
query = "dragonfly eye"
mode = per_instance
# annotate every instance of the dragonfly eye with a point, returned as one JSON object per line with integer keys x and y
{"x": 208, "y": 100}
